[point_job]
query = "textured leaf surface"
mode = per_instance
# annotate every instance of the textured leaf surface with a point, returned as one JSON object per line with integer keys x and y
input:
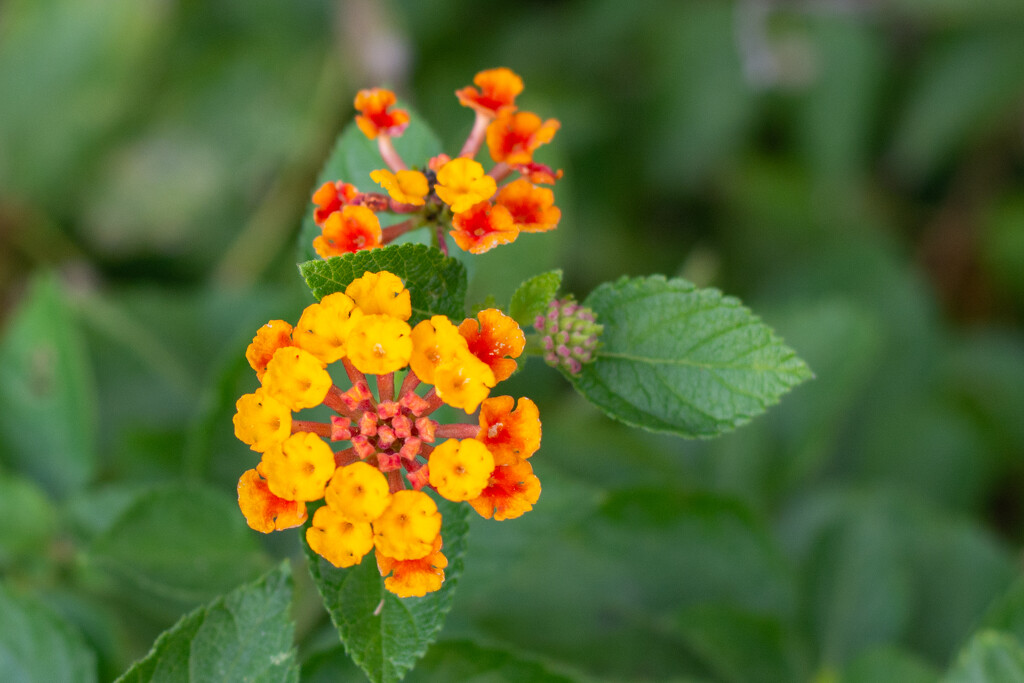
{"x": 437, "y": 283}
{"x": 245, "y": 635}
{"x": 990, "y": 657}
{"x": 352, "y": 159}
{"x": 384, "y": 634}
{"x": 683, "y": 360}
{"x": 47, "y": 395}
{"x": 533, "y": 296}
{"x": 36, "y": 645}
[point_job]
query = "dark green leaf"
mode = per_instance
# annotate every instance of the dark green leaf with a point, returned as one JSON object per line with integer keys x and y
{"x": 1007, "y": 613}
{"x": 888, "y": 664}
{"x": 36, "y": 645}
{"x": 990, "y": 657}
{"x": 464, "y": 660}
{"x": 533, "y": 296}
{"x": 437, "y": 284}
{"x": 47, "y": 396}
{"x": 354, "y": 157}
{"x": 683, "y": 360}
{"x": 179, "y": 543}
{"x": 384, "y": 634}
{"x": 245, "y": 635}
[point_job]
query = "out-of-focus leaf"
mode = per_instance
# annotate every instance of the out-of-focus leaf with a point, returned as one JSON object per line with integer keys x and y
{"x": 888, "y": 665}
{"x": 47, "y": 394}
{"x": 179, "y": 543}
{"x": 1007, "y": 613}
{"x": 533, "y": 296}
{"x": 245, "y": 635}
{"x": 464, "y": 660}
{"x": 436, "y": 283}
{"x": 36, "y": 645}
{"x": 990, "y": 657}
{"x": 678, "y": 359}
{"x": 28, "y": 518}
{"x": 384, "y": 634}
{"x": 1002, "y": 243}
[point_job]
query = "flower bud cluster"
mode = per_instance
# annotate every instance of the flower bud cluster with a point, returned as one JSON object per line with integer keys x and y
{"x": 570, "y": 335}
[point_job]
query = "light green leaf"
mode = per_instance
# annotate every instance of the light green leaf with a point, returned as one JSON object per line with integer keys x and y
{"x": 29, "y": 520}
{"x": 47, "y": 394}
{"x": 182, "y": 544}
{"x": 533, "y": 296}
{"x": 245, "y": 635}
{"x": 990, "y": 657}
{"x": 384, "y": 634}
{"x": 687, "y": 361}
{"x": 888, "y": 664}
{"x": 436, "y": 283}
{"x": 354, "y": 157}
{"x": 36, "y": 645}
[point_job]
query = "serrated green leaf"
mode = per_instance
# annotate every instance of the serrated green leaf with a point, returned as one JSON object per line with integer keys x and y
{"x": 47, "y": 394}
{"x": 683, "y": 360}
{"x": 990, "y": 657}
{"x": 245, "y": 635}
{"x": 533, "y": 296}
{"x": 36, "y": 645}
{"x": 384, "y": 634}
{"x": 436, "y": 283}
{"x": 354, "y": 157}
{"x": 181, "y": 544}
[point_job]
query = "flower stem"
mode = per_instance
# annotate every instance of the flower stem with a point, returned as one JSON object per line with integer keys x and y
{"x": 318, "y": 428}
{"x": 476, "y": 136}
{"x": 334, "y": 401}
{"x": 386, "y": 387}
{"x": 457, "y": 431}
{"x": 345, "y": 457}
{"x": 389, "y": 154}
{"x": 410, "y": 383}
{"x": 393, "y": 232}
{"x": 500, "y": 171}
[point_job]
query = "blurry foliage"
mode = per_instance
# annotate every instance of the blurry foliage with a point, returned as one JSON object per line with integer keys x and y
{"x": 853, "y": 171}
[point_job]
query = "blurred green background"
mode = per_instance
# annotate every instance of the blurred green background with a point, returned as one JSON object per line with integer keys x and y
{"x": 853, "y": 171}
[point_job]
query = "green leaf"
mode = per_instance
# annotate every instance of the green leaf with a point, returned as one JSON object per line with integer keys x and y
{"x": 464, "y": 660}
{"x": 36, "y": 645}
{"x": 384, "y": 634}
{"x": 990, "y": 657}
{"x": 245, "y": 635}
{"x": 47, "y": 395}
{"x": 437, "y": 283}
{"x": 182, "y": 544}
{"x": 888, "y": 664}
{"x": 687, "y": 361}
{"x": 354, "y": 157}
{"x": 533, "y": 296}
{"x": 29, "y": 520}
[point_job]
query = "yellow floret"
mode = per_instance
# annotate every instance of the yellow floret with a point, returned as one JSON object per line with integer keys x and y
{"x": 464, "y": 381}
{"x": 299, "y": 468}
{"x": 379, "y": 344}
{"x": 381, "y": 293}
{"x": 261, "y": 420}
{"x": 296, "y": 378}
{"x": 324, "y": 326}
{"x": 459, "y": 469}
{"x": 407, "y": 187}
{"x": 407, "y": 529}
{"x": 340, "y": 541}
{"x": 358, "y": 491}
{"x": 434, "y": 342}
{"x": 461, "y": 183}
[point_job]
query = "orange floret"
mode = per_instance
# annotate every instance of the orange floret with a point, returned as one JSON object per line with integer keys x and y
{"x": 492, "y": 337}
{"x": 533, "y": 208}
{"x": 539, "y": 174}
{"x": 511, "y": 491}
{"x": 408, "y": 527}
{"x": 264, "y": 511}
{"x": 459, "y": 470}
{"x": 359, "y": 492}
{"x": 347, "y": 231}
{"x": 330, "y": 197}
{"x": 338, "y": 540}
{"x": 461, "y": 183}
{"x": 513, "y": 137}
{"x": 434, "y": 342}
{"x": 374, "y": 118}
{"x": 406, "y": 187}
{"x": 463, "y": 381}
{"x": 296, "y": 378}
{"x": 299, "y": 468}
{"x": 324, "y": 326}
{"x": 414, "y": 578}
{"x": 269, "y": 338}
{"x": 497, "y": 93}
{"x": 510, "y": 435}
{"x": 482, "y": 227}
{"x": 261, "y": 420}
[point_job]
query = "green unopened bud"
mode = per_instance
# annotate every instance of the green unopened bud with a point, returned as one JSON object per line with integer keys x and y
{"x": 570, "y": 335}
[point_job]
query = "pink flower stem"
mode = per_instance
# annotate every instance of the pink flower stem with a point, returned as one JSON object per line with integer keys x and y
{"x": 433, "y": 402}
{"x": 389, "y": 154}
{"x": 500, "y": 171}
{"x": 395, "y": 482}
{"x": 399, "y": 207}
{"x": 410, "y": 383}
{"x": 393, "y": 232}
{"x": 334, "y": 401}
{"x": 318, "y": 428}
{"x": 442, "y": 244}
{"x": 476, "y": 136}
{"x": 345, "y": 457}
{"x": 457, "y": 431}
{"x": 386, "y": 387}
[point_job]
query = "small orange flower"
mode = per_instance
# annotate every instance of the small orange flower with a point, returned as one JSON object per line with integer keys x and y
{"x": 461, "y": 183}
{"x": 264, "y": 511}
{"x": 482, "y": 227}
{"x": 269, "y": 338}
{"x": 511, "y": 491}
{"x": 491, "y": 338}
{"x": 532, "y": 207}
{"x": 347, "y": 231}
{"x": 330, "y": 198}
{"x": 539, "y": 174}
{"x": 513, "y": 137}
{"x": 375, "y": 119}
{"x": 414, "y": 578}
{"x": 510, "y": 435}
{"x": 497, "y": 93}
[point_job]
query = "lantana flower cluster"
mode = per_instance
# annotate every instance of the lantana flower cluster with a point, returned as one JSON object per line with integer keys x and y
{"x": 453, "y": 195}
{"x": 374, "y": 459}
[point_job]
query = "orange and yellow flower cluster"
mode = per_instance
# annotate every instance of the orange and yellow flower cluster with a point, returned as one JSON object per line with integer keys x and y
{"x": 374, "y": 488}
{"x": 457, "y": 196}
